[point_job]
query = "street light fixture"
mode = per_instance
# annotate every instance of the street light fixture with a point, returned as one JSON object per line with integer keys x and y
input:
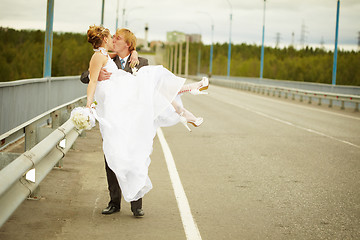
{"x": 229, "y": 50}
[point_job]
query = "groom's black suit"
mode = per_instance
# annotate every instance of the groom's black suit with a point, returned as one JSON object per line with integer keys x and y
{"x": 113, "y": 185}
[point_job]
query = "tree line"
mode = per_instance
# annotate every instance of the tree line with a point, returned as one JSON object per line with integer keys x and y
{"x": 306, "y": 65}
{"x": 22, "y": 56}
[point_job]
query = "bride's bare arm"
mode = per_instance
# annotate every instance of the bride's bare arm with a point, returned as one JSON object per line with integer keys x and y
{"x": 96, "y": 63}
{"x": 134, "y": 59}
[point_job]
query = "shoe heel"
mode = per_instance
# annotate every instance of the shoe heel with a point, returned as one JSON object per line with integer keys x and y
{"x": 204, "y": 88}
{"x": 184, "y": 122}
{"x": 206, "y": 83}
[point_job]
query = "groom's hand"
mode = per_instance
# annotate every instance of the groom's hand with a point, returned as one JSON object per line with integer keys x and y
{"x": 104, "y": 75}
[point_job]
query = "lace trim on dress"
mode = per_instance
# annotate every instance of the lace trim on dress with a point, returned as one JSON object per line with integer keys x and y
{"x": 102, "y": 50}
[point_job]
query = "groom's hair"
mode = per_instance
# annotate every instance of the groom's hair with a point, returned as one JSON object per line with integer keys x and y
{"x": 129, "y": 37}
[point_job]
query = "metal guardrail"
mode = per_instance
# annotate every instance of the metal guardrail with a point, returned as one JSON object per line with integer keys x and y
{"x": 23, "y": 100}
{"x": 41, "y": 154}
{"x": 293, "y": 93}
{"x": 310, "y": 86}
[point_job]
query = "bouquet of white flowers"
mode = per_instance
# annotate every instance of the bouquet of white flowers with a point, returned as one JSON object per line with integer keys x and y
{"x": 83, "y": 118}
{"x": 134, "y": 71}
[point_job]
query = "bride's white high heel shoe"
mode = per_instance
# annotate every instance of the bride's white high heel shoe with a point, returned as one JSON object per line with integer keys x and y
{"x": 196, "y": 123}
{"x": 204, "y": 86}
{"x": 195, "y": 88}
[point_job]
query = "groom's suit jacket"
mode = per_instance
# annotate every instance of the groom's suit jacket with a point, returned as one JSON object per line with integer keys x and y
{"x": 142, "y": 62}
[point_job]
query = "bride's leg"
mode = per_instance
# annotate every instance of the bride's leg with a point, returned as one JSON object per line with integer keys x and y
{"x": 186, "y": 116}
{"x": 183, "y": 112}
{"x": 196, "y": 88}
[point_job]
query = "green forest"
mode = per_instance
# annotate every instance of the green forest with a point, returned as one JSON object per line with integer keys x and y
{"x": 22, "y": 56}
{"x": 305, "y": 65}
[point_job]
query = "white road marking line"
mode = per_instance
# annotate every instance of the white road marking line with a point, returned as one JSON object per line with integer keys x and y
{"x": 190, "y": 227}
{"x": 290, "y": 124}
{"x": 95, "y": 206}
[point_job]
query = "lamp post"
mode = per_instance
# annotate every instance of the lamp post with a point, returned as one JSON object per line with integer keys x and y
{"x": 102, "y": 13}
{"x": 262, "y": 44}
{"x": 48, "y": 39}
{"x": 229, "y": 50}
{"x": 212, "y": 42}
{"x": 123, "y": 15}
{"x": 336, "y": 43}
{"x": 117, "y": 15}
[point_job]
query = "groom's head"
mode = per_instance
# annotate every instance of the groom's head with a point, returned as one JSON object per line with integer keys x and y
{"x": 124, "y": 42}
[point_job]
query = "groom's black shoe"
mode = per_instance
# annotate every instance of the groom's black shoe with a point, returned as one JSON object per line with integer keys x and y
{"x": 139, "y": 213}
{"x": 110, "y": 210}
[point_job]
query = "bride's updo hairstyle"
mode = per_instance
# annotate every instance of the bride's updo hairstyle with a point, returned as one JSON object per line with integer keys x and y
{"x": 96, "y": 35}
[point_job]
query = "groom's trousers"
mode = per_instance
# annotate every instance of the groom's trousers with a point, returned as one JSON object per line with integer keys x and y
{"x": 115, "y": 191}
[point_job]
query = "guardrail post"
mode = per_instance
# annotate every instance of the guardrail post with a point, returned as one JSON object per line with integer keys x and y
{"x": 69, "y": 108}
{"x": 35, "y": 195}
{"x": 310, "y": 98}
{"x": 319, "y": 101}
{"x": 55, "y": 119}
{"x": 30, "y": 136}
{"x": 356, "y": 107}
{"x": 343, "y": 104}
{"x": 56, "y": 122}
{"x": 330, "y": 103}
{"x": 301, "y": 98}
{"x": 30, "y": 142}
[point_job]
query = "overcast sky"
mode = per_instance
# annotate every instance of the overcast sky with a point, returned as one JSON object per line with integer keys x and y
{"x": 283, "y": 17}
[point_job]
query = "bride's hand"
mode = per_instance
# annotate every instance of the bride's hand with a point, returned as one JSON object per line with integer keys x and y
{"x": 90, "y": 105}
{"x": 134, "y": 59}
{"x": 104, "y": 75}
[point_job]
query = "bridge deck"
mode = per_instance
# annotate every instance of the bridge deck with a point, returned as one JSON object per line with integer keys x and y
{"x": 259, "y": 168}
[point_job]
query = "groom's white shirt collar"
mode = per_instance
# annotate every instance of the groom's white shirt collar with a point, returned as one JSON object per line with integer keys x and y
{"x": 125, "y": 58}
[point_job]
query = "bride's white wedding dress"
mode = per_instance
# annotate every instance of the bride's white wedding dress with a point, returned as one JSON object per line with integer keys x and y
{"x": 133, "y": 107}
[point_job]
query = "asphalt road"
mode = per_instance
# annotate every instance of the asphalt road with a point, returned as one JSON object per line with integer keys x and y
{"x": 258, "y": 168}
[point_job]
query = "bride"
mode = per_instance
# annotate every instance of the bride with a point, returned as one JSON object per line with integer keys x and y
{"x": 133, "y": 107}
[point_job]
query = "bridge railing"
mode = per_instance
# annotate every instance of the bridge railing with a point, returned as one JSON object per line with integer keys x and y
{"x": 23, "y": 100}
{"x": 321, "y": 97}
{"x": 45, "y": 146}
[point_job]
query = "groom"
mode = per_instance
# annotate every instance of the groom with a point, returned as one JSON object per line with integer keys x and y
{"x": 124, "y": 43}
